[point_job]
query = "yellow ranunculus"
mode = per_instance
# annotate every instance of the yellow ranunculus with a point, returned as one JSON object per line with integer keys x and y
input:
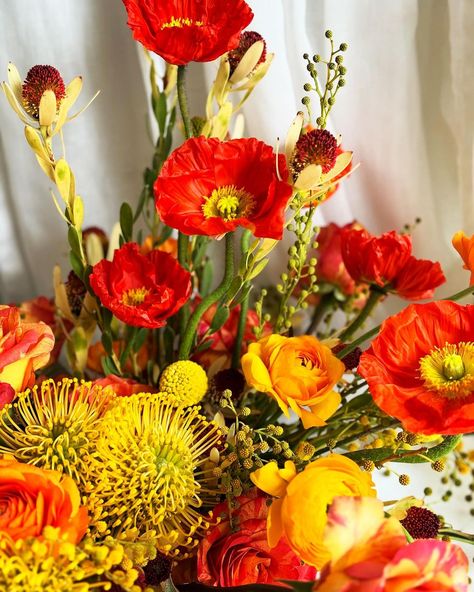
{"x": 299, "y": 513}
{"x": 299, "y": 372}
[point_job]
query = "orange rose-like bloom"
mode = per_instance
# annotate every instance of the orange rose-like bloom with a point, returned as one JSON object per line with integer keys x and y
{"x": 237, "y": 553}
{"x": 141, "y": 290}
{"x": 298, "y": 372}
{"x": 183, "y": 31}
{"x": 299, "y": 513}
{"x": 24, "y": 347}
{"x": 386, "y": 261}
{"x": 420, "y": 368}
{"x": 211, "y": 187}
{"x": 33, "y": 498}
{"x": 465, "y": 247}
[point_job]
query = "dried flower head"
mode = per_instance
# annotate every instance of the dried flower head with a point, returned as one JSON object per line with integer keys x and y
{"x": 38, "y": 80}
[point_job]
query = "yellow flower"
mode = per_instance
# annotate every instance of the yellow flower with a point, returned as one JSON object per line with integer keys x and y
{"x": 298, "y": 372}
{"x": 299, "y": 513}
{"x": 184, "y": 382}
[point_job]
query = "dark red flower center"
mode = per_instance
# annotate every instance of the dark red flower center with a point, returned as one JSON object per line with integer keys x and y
{"x": 421, "y": 523}
{"x": 318, "y": 147}
{"x": 38, "y": 80}
{"x": 247, "y": 39}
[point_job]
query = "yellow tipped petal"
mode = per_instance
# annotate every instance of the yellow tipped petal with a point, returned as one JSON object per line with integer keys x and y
{"x": 273, "y": 480}
{"x": 73, "y": 90}
{"x": 341, "y": 163}
{"x": 15, "y": 82}
{"x": 248, "y": 62}
{"x": 293, "y": 135}
{"x": 47, "y": 108}
{"x": 15, "y": 105}
{"x": 309, "y": 177}
{"x": 221, "y": 81}
{"x": 274, "y": 523}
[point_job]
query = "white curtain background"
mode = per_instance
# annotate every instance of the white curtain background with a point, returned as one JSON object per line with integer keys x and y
{"x": 407, "y": 112}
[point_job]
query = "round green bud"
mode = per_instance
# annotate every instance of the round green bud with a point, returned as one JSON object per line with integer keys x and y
{"x": 342, "y": 70}
{"x": 264, "y": 292}
{"x": 331, "y": 100}
{"x": 284, "y": 277}
{"x": 305, "y": 56}
{"x": 343, "y": 47}
{"x": 304, "y": 305}
{"x": 311, "y": 269}
{"x": 306, "y": 100}
{"x": 339, "y": 59}
{"x": 308, "y": 87}
{"x": 267, "y": 317}
{"x": 341, "y": 82}
{"x": 328, "y": 34}
{"x": 330, "y": 86}
{"x": 291, "y": 227}
{"x": 319, "y": 121}
{"x": 313, "y": 261}
{"x": 332, "y": 66}
{"x": 292, "y": 251}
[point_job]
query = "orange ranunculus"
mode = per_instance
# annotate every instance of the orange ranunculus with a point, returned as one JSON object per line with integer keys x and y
{"x": 465, "y": 247}
{"x": 33, "y": 498}
{"x": 386, "y": 261}
{"x": 299, "y": 513}
{"x": 170, "y": 245}
{"x": 237, "y": 553}
{"x": 298, "y": 372}
{"x": 24, "y": 347}
{"x": 123, "y": 387}
{"x": 370, "y": 553}
{"x": 420, "y": 368}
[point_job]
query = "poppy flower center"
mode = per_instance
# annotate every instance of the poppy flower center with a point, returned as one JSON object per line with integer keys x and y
{"x": 181, "y": 22}
{"x": 449, "y": 370}
{"x": 228, "y": 203}
{"x": 134, "y": 296}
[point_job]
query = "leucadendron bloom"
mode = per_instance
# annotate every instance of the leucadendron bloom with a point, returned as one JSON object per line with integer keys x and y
{"x": 299, "y": 512}
{"x": 298, "y": 372}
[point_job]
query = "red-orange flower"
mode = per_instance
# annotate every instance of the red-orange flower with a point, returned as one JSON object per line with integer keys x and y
{"x": 239, "y": 555}
{"x": 33, "y": 498}
{"x": 420, "y": 368}
{"x": 96, "y": 353}
{"x": 211, "y": 187}
{"x": 141, "y": 290}
{"x": 123, "y": 387}
{"x": 183, "y": 31}
{"x": 464, "y": 245}
{"x": 24, "y": 348}
{"x": 386, "y": 261}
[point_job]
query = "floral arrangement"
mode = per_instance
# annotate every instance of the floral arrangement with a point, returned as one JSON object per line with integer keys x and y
{"x": 165, "y": 424}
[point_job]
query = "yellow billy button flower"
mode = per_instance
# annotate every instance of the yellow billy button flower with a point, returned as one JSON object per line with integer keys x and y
{"x": 184, "y": 382}
{"x": 299, "y": 512}
{"x": 298, "y": 372}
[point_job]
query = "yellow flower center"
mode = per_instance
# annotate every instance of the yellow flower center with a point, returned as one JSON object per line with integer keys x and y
{"x": 181, "y": 22}
{"x": 228, "y": 203}
{"x": 449, "y": 370}
{"x": 134, "y": 296}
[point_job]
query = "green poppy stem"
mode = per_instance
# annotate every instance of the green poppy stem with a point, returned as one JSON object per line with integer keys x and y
{"x": 189, "y": 335}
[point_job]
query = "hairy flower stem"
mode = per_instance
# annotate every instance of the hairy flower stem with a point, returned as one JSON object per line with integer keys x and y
{"x": 244, "y": 305}
{"x": 191, "y": 327}
{"x": 365, "y": 336}
{"x": 375, "y": 295}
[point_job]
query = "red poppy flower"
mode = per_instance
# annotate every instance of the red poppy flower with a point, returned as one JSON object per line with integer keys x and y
{"x": 183, "y": 31}
{"x": 211, "y": 187}
{"x": 141, "y": 290}
{"x": 241, "y": 555}
{"x": 386, "y": 261}
{"x": 420, "y": 368}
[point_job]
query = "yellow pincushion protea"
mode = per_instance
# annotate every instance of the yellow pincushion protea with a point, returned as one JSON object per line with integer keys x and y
{"x": 150, "y": 472}
{"x": 184, "y": 382}
{"x": 49, "y": 564}
{"x": 54, "y": 426}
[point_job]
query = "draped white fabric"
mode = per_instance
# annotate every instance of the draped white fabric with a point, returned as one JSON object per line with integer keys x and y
{"x": 407, "y": 112}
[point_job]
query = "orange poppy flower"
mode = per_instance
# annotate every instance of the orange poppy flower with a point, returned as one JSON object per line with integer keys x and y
{"x": 420, "y": 368}
{"x": 465, "y": 247}
{"x": 188, "y": 31}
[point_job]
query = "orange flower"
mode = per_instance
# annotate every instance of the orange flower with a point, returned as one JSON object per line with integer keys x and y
{"x": 24, "y": 347}
{"x": 170, "y": 245}
{"x": 96, "y": 352}
{"x": 300, "y": 512}
{"x": 420, "y": 368}
{"x": 123, "y": 387}
{"x": 298, "y": 372}
{"x": 465, "y": 247}
{"x": 33, "y": 498}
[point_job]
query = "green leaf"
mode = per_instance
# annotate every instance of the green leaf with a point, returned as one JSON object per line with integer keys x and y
{"x": 76, "y": 264}
{"x": 161, "y": 111}
{"x": 243, "y": 294}
{"x": 108, "y": 366}
{"x": 126, "y": 221}
{"x": 139, "y": 340}
{"x": 257, "y": 270}
{"x": 107, "y": 343}
{"x": 205, "y": 345}
{"x": 221, "y": 316}
{"x": 141, "y": 203}
{"x": 234, "y": 288}
{"x": 73, "y": 239}
{"x": 107, "y": 317}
